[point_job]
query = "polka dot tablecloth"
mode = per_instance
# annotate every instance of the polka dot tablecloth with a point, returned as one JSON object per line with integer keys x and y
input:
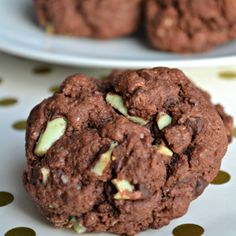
{"x": 24, "y": 83}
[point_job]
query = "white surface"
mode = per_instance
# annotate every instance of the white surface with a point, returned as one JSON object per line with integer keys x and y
{"x": 20, "y": 35}
{"x": 215, "y": 210}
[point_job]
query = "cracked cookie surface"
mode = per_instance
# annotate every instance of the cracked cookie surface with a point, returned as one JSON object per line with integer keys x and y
{"x": 104, "y": 170}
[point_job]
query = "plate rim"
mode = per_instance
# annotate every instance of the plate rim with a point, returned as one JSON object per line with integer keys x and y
{"x": 48, "y": 57}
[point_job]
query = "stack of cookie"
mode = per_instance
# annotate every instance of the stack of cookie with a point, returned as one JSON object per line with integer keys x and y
{"x": 171, "y": 25}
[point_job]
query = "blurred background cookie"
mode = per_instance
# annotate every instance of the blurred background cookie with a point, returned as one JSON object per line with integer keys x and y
{"x": 91, "y": 18}
{"x": 190, "y": 25}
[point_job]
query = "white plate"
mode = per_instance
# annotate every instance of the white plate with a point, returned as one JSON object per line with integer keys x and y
{"x": 20, "y": 35}
{"x": 215, "y": 209}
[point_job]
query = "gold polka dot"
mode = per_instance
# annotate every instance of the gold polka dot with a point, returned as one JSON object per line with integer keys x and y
{"x": 188, "y": 230}
{"x": 5, "y": 198}
{"x": 42, "y": 69}
{"x": 103, "y": 77}
{"x": 8, "y": 101}
{"x": 50, "y": 29}
{"x": 227, "y": 75}
{"x": 221, "y": 178}
{"x": 19, "y": 125}
{"x": 234, "y": 132}
{"x": 54, "y": 89}
{"x": 20, "y": 231}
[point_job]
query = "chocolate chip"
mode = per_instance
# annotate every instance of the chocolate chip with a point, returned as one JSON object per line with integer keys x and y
{"x": 144, "y": 190}
{"x": 34, "y": 176}
{"x": 200, "y": 186}
{"x": 154, "y": 130}
{"x": 165, "y": 192}
{"x": 64, "y": 197}
{"x": 195, "y": 125}
{"x": 170, "y": 103}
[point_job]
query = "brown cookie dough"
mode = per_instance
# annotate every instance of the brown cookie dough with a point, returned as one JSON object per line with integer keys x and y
{"x": 190, "y": 25}
{"x": 123, "y": 154}
{"x": 228, "y": 121}
{"x": 90, "y": 18}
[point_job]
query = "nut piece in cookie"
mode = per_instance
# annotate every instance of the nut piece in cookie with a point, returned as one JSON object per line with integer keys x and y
{"x": 163, "y": 120}
{"x": 125, "y": 190}
{"x": 54, "y": 130}
{"x": 104, "y": 160}
{"x": 164, "y": 150}
{"x": 45, "y": 173}
{"x": 77, "y": 226}
{"x": 116, "y": 101}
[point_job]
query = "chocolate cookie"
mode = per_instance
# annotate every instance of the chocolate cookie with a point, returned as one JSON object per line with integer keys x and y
{"x": 91, "y": 18}
{"x": 123, "y": 154}
{"x": 190, "y": 25}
